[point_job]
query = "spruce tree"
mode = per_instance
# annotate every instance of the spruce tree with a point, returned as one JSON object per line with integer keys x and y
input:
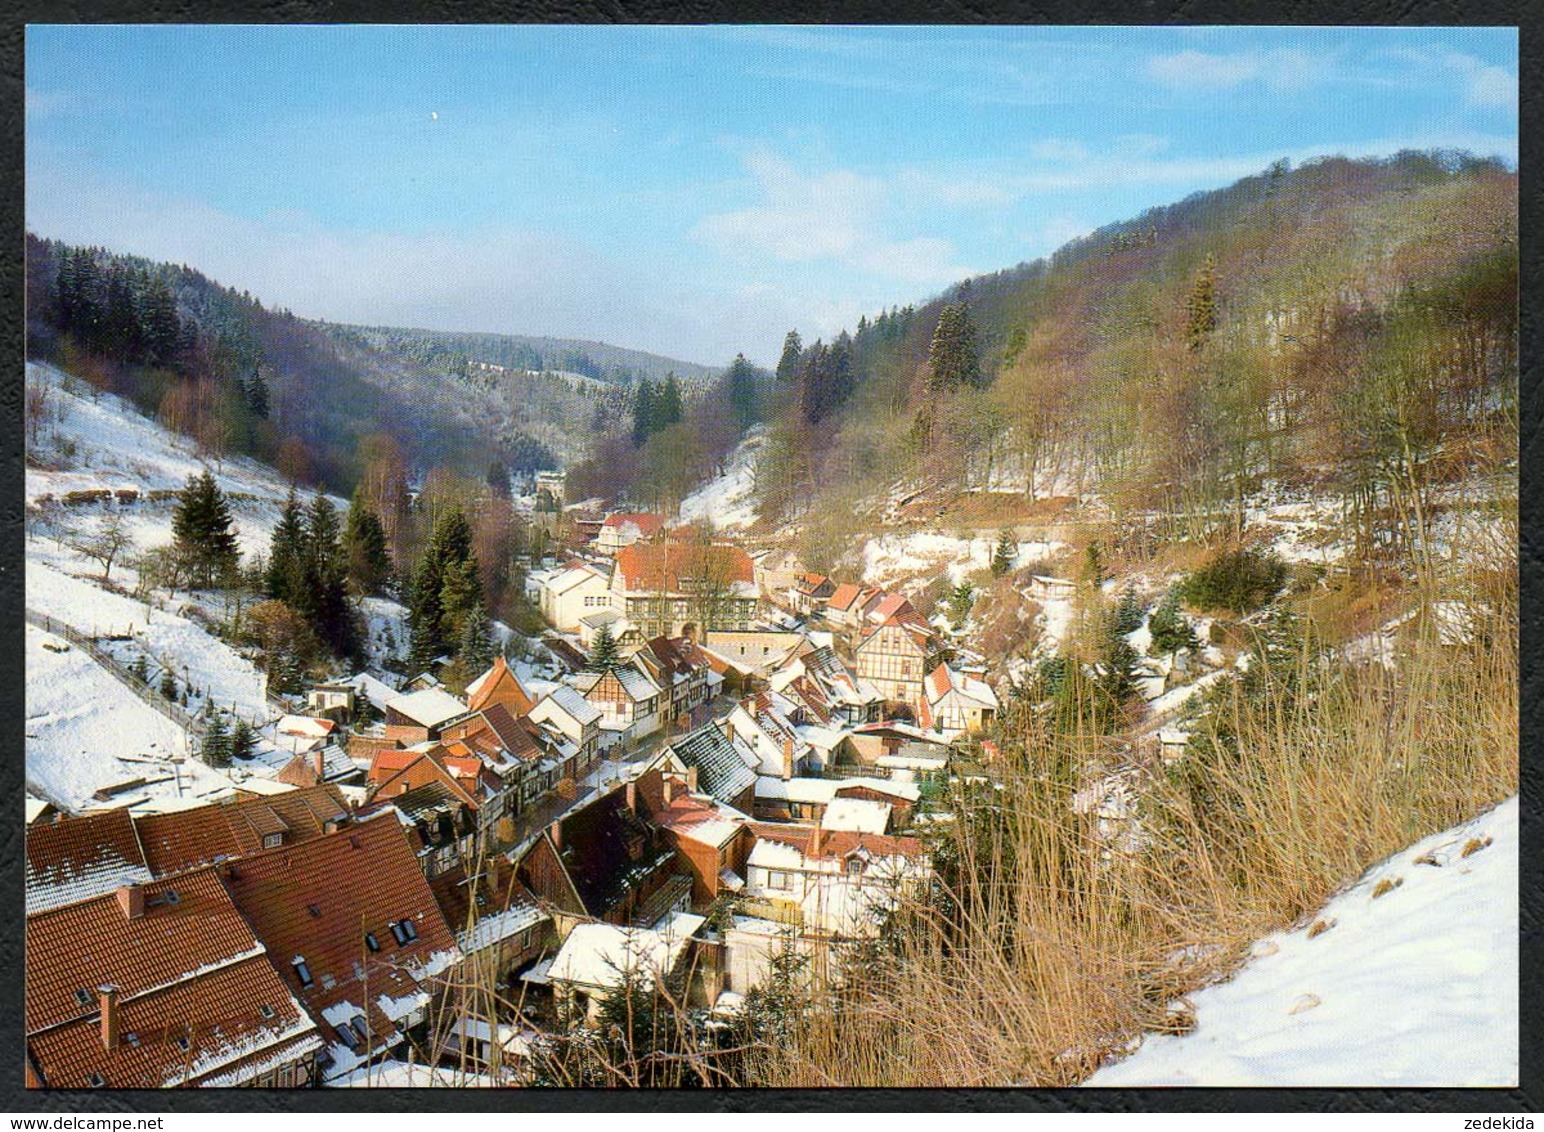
{"x": 450, "y": 545}
{"x": 139, "y": 668}
{"x": 476, "y": 641}
{"x": 1128, "y": 614}
{"x": 203, "y": 531}
{"x": 815, "y": 382}
{"x": 604, "y": 655}
{"x": 1003, "y": 557}
{"x": 243, "y": 740}
{"x": 364, "y": 548}
{"x": 670, "y": 406}
{"x": 740, "y": 386}
{"x": 257, "y": 393}
{"x": 168, "y": 685}
{"x": 217, "y": 742}
{"x": 1169, "y": 628}
{"x": 325, "y": 600}
{"x": 788, "y": 364}
{"x": 953, "y": 361}
{"x": 645, "y": 413}
{"x": 1201, "y": 307}
{"x": 286, "y": 554}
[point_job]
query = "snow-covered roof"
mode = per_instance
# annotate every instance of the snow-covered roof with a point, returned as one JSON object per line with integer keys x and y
{"x": 428, "y": 708}
{"x": 600, "y": 955}
{"x": 856, "y": 814}
{"x": 573, "y": 703}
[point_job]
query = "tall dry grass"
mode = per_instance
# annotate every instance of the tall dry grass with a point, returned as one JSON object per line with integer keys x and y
{"x": 1064, "y": 948}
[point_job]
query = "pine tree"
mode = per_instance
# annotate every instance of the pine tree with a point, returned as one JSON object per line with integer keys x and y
{"x": 203, "y": 531}
{"x": 286, "y": 575}
{"x": 243, "y": 740}
{"x": 1201, "y": 307}
{"x": 1169, "y": 628}
{"x": 139, "y": 668}
{"x": 460, "y": 595}
{"x": 815, "y": 382}
{"x": 450, "y": 545}
{"x": 740, "y": 386}
{"x": 364, "y": 547}
{"x": 1128, "y": 614}
{"x": 325, "y": 600}
{"x": 953, "y": 361}
{"x": 257, "y": 393}
{"x": 670, "y": 406}
{"x": 788, "y": 369}
{"x": 476, "y": 640}
{"x": 217, "y": 742}
{"x": 604, "y": 655}
{"x": 645, "y": 413}
{"x": 961, "y": 599}
{"x": 1005, "y": 554}
{"x": 168, "y": 685}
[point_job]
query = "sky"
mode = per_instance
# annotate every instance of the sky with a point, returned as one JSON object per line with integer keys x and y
{"x": 694, "y": 192}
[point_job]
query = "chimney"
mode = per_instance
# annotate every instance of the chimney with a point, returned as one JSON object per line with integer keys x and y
{"x": 555, "y": 831}
{"x": 691, "y": 780}
{"x": 632, "y": 796}
{"x": 131, "y": 898}
{"x": 787, "y": 758}
{"x": 108, "y": 997}
{"x": 669, "y": 781}
{"x": 321, "y": 765}
{"x": 816, "y": 835}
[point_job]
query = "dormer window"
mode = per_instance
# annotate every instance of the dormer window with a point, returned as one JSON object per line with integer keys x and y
{"x": 96, "y": 1081}
{"x": 404, "y": 931}
{"x": 302, "y": 972}
{"x": 266, "y": 1011}
{"x": 132, "y": 1039}
{"x": 83, "y": 997}
{"x": 855, "y": 866}
{"x": 272, "y": 840}
{"x": 371, "y": 942}
{"x": 171, "y": 897}
{"x": 350, "y": 1038}
{"x": 184, "y": 1044}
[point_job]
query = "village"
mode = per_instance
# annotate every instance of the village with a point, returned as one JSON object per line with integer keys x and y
{"x": 720, "y": 759}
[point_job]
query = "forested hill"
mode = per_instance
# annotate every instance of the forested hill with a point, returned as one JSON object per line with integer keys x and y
{"x": 1343, "y": 322}
{"x": 460, "y": 353}
{"x": 317, "y": 399}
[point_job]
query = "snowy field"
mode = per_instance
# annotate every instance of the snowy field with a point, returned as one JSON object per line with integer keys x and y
{"x": 926, "y": 554}
{"x": 1416, "y": 987}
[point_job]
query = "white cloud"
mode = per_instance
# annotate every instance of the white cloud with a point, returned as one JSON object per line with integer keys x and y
{"x": 1285, "y": 68}
{"x": 833, "y": 216}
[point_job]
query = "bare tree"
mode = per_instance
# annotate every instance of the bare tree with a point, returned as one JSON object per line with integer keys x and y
{"x": 105, "y": 542}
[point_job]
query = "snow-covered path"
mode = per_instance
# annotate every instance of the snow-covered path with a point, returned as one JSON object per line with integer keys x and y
{"x": 1416, "y": 986}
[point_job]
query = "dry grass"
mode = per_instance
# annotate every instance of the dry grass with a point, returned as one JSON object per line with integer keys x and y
{"x": 1063, "y": 952}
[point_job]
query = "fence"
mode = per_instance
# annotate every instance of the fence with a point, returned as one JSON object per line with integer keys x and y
{"x": 188, "y": 722}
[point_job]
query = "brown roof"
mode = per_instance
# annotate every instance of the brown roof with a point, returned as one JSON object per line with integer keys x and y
{"x": 648, "y": 524}
{"x": 499, "y": 685}
{"x": 91, "y": 943}
{"x": 78, "y": 858}
{"x": 187, "y": 839}
{"x": 317, "y": 900}
{"x": 513, "y": 735}
{"x": 218, "y": 1013}
{"x": 660, "y": 567}
{"x": 846, "y": 593}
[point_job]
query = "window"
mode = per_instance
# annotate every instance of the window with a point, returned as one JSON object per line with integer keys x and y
{"x": 171, "y": 896}
{"x": 359, "y": 1025}
{"x": 525, "y": 940}
{"x": 302, "y": 972}
{"x": 132, "y": 1039}
{"x": 776, "y": 878}
{"x": 855, "y": 866}
{"x": 96, "y": 1080}
{"x": 266, "y": 1011}
{"x": 404, "y": 931}
{"x": 83, "y": 997}
{"x": 350, "y": 1038}
{"x": 184, "y": 1043}
{"x": 272, "y": 840}
{"x": 371, "y": 942}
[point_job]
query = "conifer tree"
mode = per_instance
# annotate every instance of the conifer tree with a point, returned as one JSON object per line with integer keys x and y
{"x": 1169, "y": 628}
{"x": 645, "y": 413}
{"x": 1201, "y": 307}
{"x": 740, "y": 386}
{"x": 243, "y": 740}
{"x": 168, "y": 685}
{"x": 788, "y": 365}
{"x": 286, "y": 554}
{"x": 670, "y": 406}
{"x": 449, "y": 546}
{"x": 325, "y": 599}
{"x": 256, "y": 391}
{"x": 216, "y": 748}
{"x": 604, "y": 655}
{"x": 139, "y": 668}
{"x": 953, "y": 361}
{"x": 476, "y": 640}
{"x": 364, "y": 547}
{"x": 203, "y": 532}
{"x": 1003, "y": 557}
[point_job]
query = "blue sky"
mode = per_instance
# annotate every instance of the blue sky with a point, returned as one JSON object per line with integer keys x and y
{"x": 691, "y": 191}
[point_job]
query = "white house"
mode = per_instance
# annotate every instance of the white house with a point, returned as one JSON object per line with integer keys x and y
{"x": 572, "y": 593}
{"x": 955, "y": 701}
{"x": 835, "y": 882}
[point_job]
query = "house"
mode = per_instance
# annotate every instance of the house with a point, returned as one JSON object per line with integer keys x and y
{"x": 874, "y": 743}
{"x": 835, "y": 882}
{"x": 627, "y": 699}
{"x": 1044, "y": 588}
{"x": 190, "y": 839}
{"x": 776, "y": 572}
{"x": 665, "y": 587}
{"x": 809, "y": 593}
{"x": 160, "y": 985}
{"x": 487, "y": 790}
{"x": 334, "y": 700}
{"x": 573, "y": 592}
{"x": 354, "y": 932}
{"x": 418, "y": 716}
{"x": 596, "y": 959}
{"x": 301, "y": 734}
{"x": 895, "y": 655}
{"x": 685, "y": 677}
{"x": 550, "y": 485}
{"x": 713, "y": 839}
{"x": 844, "y": 608}
{"x": 757, "y": 724}
{"x": 758, "y": 651}
{"x": 953, "y": 701}
{"x": 628, "y": 637}
{"x": 499, "y": 685}
{"x": 321, "y": 764}
{"x": 566, "y": 716}
{"x": 726, "y": 770}
{"x": 811, "y": 800}
{"x": 827, "y": 690}
{"x": 626, "y": 528}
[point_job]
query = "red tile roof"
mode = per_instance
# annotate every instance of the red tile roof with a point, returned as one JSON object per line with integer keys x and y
{"x": 316, "y": 901}
{"x": 187, "y": 839}
{"x": 838, "y": 842}
{"x": 499, "y": 685}
{"x": 648, "y": 524}
{"x": 218, "y": 1013}
{"x": 91, "y": 943}
{"x": 842, "y": 600}
{"x": 660, "y": 567}
{"x": 77, "y": 858}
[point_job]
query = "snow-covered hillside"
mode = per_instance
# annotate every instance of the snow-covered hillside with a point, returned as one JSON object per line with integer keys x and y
{"x": 728, "y": 500}
{"x": 1412, "y": 982}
